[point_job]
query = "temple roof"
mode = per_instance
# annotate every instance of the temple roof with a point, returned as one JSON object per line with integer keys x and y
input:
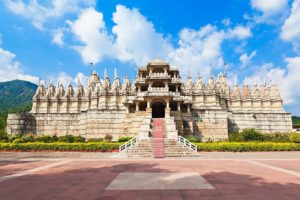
{"x": 158, "y": 62}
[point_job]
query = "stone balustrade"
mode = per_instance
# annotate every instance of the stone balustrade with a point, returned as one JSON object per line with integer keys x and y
{"x": 159, "y": 75}
{"x": 158, "y": 89}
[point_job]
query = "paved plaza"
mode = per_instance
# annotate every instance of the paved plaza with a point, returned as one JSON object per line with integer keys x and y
{"x": 266, "y": 175}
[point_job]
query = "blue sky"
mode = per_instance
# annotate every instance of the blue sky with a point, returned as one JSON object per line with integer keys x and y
{"x": 56, "y": 40}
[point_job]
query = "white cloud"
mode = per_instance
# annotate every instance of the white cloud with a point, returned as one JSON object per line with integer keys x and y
{"x": 198, "y": 51}
{"x": 290, "y": 31}
{"x": 287, "y": 79}
{"x": 240, "y": 32}
{"x": 39, "y": 13}
{"x": 90, "y": 30}
{"x": 270, "y": 11}
{"x": 58, "y": 37}
{"x": 10, "y": 69}
{"x": 66, "y": 79}
{"x": 136, "y": 37}
{"x": 246, "y": 59}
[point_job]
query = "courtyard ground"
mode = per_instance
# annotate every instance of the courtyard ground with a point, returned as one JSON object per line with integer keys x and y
{"x": 49, "y": 175}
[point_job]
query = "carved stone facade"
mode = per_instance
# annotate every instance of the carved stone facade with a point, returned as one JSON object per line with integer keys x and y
{"x": 103, "y": 107}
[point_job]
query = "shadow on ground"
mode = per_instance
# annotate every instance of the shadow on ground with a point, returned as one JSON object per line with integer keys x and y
{"x": 88, "y": 181}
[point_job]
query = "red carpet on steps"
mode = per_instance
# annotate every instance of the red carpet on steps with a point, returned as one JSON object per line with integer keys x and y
{"x": 158, "y": 138}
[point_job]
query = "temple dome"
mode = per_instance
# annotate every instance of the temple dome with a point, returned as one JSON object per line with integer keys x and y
{"x": 158, "y": 62}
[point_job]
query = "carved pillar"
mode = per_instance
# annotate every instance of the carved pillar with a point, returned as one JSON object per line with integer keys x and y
{"x": 178, "y": 106}
{"x": 137, "y": 108}
{"x": 189, "y": 108}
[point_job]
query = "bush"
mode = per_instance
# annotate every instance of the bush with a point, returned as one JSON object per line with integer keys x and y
{"x": 57, "y": 146}
{"x": 124, "y": 139}
{"x": 79, "y": 139}
{"x": 277, "y": 137}
{"x": 295, "y": 137}
{"x": 193, "y": 139}
{"x": 108, "y": 138}
{"x": 235, "y": 137}
{"x": 95, "y": 140}
{"x": 248, "y": 146}
{"x": 46, "y": 139}
{"x": 250, "y": 134}
{"x": 66, "y": 138}
{"x": 3, "y": 136}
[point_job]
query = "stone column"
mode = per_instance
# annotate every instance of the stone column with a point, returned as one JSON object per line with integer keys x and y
{"x": 178, "y": 106}
{"x": 137, "y": 108}
{"x": 148, "y": 103}
{"x": 139, "y": 88}
{"x": 176, "y": 88}
{"x": 188, "y": 108}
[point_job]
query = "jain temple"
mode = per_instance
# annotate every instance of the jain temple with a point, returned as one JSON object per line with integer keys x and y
{"x": 205, "y": 110}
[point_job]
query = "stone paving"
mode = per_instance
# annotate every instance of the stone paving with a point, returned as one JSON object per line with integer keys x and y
{"x": 273, "y": 175}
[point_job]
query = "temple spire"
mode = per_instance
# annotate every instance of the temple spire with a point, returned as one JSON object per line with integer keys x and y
{"x": 105, "y": 73}
{"x": 115, "y": 73}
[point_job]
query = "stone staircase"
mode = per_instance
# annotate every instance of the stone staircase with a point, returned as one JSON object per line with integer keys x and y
{"x": 158, "y": 138}
{"x": 163, "y": 144}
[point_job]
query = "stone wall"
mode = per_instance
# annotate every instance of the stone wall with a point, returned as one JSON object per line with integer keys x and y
{"x": 266, "y": 122}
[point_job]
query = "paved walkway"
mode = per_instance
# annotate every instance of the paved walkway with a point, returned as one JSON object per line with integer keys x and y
{"x": 271, "y": 175}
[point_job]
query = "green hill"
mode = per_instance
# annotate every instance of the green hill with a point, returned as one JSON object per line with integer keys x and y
{"x": 296, "y": 120}
{"x": 15, "y": 94}
{"x": 15, "y": 97}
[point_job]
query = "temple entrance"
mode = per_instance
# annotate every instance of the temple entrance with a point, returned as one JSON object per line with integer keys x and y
{"x": 158, "y": 110}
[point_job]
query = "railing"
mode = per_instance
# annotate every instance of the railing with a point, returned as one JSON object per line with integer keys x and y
{"x": 159, "y": 75}
{"x": 128, "y": 145}
{"x": 158, "y": 89}
{"x": 187, "y": 143}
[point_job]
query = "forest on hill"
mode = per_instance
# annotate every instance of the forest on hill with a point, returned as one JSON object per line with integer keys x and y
{"x": 15, "y": 97}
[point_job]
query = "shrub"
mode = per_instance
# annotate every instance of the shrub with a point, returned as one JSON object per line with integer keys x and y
{"x": 46, "y": 139}
{"x": 3, "y": 136}
{"x": 124, "y": 139}
{"x": 108, "y": 138}
{"x": 95, "y": 140}
{"x": 66, "y": 138}
{"x": 250, "y": 134}
{"x": 277, "y": 137}
{"x": 248, "y": 146}
{"x": 18, "y": 140}
{"x": 193, "y": 139}
{"x": 38, "y": 146}
{"x": 235, "y": 137}
{"x": 79, "y": 139}
{"x": 295, "y": 137}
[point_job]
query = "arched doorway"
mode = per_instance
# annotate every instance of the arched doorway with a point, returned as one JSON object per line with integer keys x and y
{"x": 158, "y": 110}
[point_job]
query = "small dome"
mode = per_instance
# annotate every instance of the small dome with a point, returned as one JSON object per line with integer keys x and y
{"x": 158, "y": 62}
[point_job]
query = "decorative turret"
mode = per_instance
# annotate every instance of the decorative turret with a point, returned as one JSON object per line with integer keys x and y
{"x": 188, "y": 86}
{"x": 70, "y": 91}
{"x": 211, "y": 85}
{"x": 236, "y": 94}
{"x": 94, "y": 79}
{"x": 60, "y": 92}
{"x": 246, "y": 94}
{"x": 274, "y": 92}
{"x": 199, "y": 86}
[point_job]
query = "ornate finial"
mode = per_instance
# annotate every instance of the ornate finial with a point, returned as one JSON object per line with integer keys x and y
{"x": 105, "y": 73}
{"x": 91, "y": 67}
{"x": 189, "y": 75}
{"x": 115, "y": 73}
{"x": 39, "y": 81}
{"x": 265, "y": 83}
{"x": 225, "y": 69}
{"x": 235, "y": 81}
{"x": 78, "y": 79}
